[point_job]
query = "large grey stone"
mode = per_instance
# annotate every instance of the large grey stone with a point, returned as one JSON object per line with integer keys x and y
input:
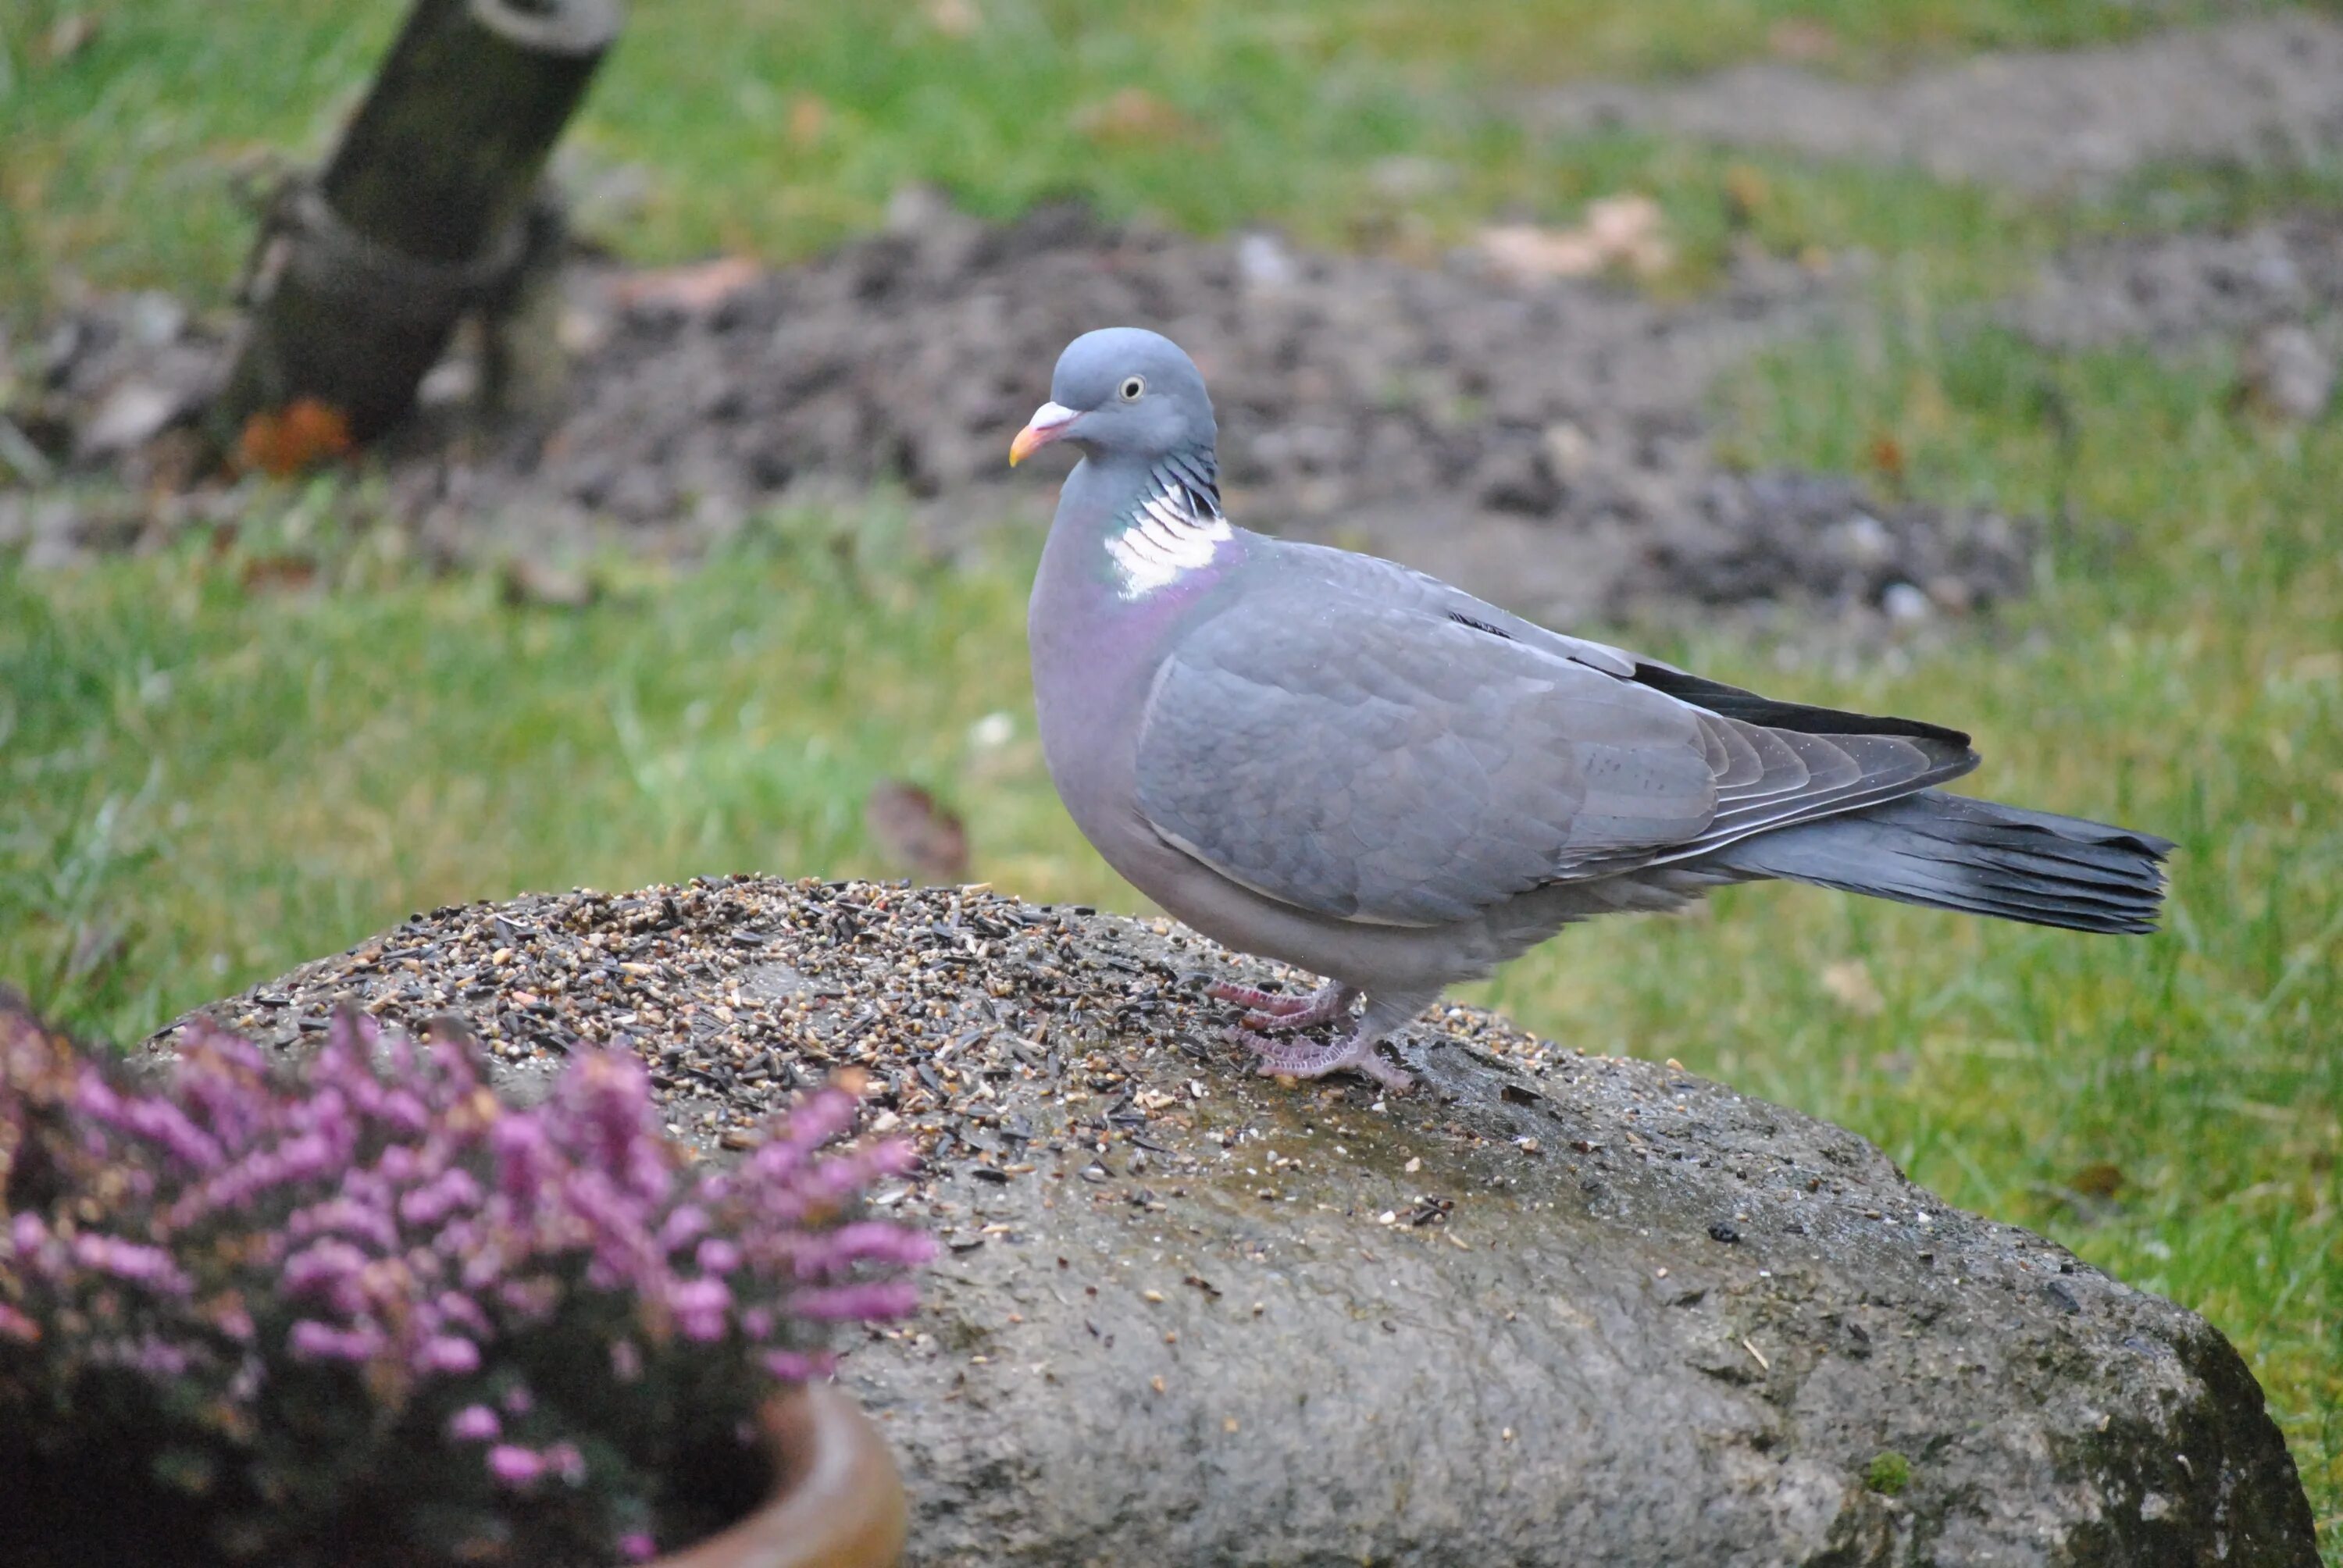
{"x": 1549, "y": 1309}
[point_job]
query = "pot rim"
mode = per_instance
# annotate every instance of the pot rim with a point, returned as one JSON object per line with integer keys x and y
{"x": 837, "y": 1500}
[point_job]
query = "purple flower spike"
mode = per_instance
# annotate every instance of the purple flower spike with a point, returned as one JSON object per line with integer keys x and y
{"x": 701, "y": 1308}
{"x": 15, "y": 1325}
{"x": 515, "y": 1466}
{"x": 475, "y": 1424}
{"x": 446, "y": 1353}
{"x": 313, "y": 1340}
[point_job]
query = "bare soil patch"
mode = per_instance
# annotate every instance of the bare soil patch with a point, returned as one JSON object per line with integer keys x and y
{"x": 2255, "y": 91}
{"x": 1543, "y": 442}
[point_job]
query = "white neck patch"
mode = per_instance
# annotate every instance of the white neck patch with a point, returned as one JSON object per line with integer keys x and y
{"x": 1171, "y": 533}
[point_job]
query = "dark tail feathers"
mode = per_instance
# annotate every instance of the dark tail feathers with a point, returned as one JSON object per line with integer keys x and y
{"x": 1978, "y": 857}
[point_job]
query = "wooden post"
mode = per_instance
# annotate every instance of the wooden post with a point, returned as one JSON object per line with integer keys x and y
{"x": 360, "y": 276}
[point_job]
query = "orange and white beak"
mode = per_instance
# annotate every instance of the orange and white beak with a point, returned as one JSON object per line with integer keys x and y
{"x": 1049, "y": 422}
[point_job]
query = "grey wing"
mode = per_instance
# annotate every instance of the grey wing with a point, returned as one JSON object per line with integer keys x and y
{"x": 1375, "y": 763}
{"x": 1392, "y": 764}
{"x": 1388, "y": 582}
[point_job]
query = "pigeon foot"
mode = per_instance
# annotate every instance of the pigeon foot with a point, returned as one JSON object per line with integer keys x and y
{"x": 1268, "y": 1012}
{"x": 1355, "y": 1049}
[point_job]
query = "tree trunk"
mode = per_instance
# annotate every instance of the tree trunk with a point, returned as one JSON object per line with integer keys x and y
{"x": 361, "y": 274}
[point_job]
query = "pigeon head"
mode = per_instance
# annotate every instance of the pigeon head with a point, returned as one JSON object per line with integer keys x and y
{"x": 1122, "y": 391}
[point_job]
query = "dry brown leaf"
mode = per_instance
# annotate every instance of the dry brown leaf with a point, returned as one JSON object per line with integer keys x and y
{"x": 284, "y": 441}
{"x": 1848, "y": 983}
{"x": 1621, "y": 230}
{"x": 954, "y": 18}
{"x": 914, "y": 833}
{"x": 809, "y": 120}
{"x": 69, "y": 35}
{"x": 1803, "y": 39}
{"x": 693, "y": 287}
{"x": 1132, "y": 115}
{"x": 2100, "y": 1179}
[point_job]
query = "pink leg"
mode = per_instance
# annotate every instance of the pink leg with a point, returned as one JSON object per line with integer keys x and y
{"x": 1268, "y": 1012}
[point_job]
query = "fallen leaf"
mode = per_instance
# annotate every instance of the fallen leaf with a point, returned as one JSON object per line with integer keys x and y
{"x": 1621, "y": 230}
{"x": 283, "y": 442}
{"x": 1529, "y": 252}
{"x": 69, "y": 35}
{"x": 1131, "y": 115}
{"x": 528, "y": 581}
{"x": 954, "y": 18}
{"x": 914, "y": 833}
{"x": 1848, "y": 983}
{"x": 132, "y": 413}
{"x": 1747, "y": 191}
{"x": 693, "y": 287}
{"x": 808, "y": 119}
{"x": 277, "y": 574}
{"x": 2098, "y": 1180}
{"x": 1887, "y": 455}
{"x": 1801, "y": 38}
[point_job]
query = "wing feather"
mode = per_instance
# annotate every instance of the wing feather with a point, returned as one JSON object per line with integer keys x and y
{"x": 1353, "y": 743}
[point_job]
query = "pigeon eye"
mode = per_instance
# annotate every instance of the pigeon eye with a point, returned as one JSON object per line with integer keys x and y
{"x": 1131, "y": 388}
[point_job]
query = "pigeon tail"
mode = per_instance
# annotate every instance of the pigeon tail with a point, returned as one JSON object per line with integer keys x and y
{"x": 1976, "y": 857}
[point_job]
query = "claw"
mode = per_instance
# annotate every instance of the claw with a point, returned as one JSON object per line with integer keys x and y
{"x": 1300, "y": 1059}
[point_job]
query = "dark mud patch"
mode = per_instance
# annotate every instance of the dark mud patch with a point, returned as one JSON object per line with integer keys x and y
{"x": 1543, "y": 443}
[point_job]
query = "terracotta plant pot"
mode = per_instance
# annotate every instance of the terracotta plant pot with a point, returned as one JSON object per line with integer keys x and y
{"x": 838, "y": 1500}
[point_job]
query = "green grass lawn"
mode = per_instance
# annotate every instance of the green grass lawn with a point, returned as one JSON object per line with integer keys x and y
{"x": 777, "y": 128}
{"x": 205, "y": 778}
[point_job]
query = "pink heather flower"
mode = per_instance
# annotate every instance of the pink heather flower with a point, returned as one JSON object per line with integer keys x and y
{"x": 687, "y": 1221}
{"x": 130, "y": 1262}
{"x": 517, "y": 1401}
{"x": 456, "y": 1308}
{"x": 795, "y": 1366}
{"x": 867, "y": 1300}
{"x": 564, "y": 1461}
{"x": 452, "y": 1190}
{"x": 15, "y": 1325}
{"x": 157, "y": 1359}
{"x": 626, "y": 1361}
{"x": 701, "y": 1308}
{"x": 446, "y": 1353}
{"x": 475, "y": 1424}
{"x": 717, "y": 1256}
{"x": 231, "y": 1318}
{"x": 26, "y": 1233}
{"x": 153, "y": 1120}
{"x": 638, "y": 1546}
{"x": 314, "y": 1341}
{"x": 320, "y": 1268}
{"x": 515, "y": 1466}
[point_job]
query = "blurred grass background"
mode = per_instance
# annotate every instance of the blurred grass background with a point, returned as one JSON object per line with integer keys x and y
{"x": 209, "y": 773}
